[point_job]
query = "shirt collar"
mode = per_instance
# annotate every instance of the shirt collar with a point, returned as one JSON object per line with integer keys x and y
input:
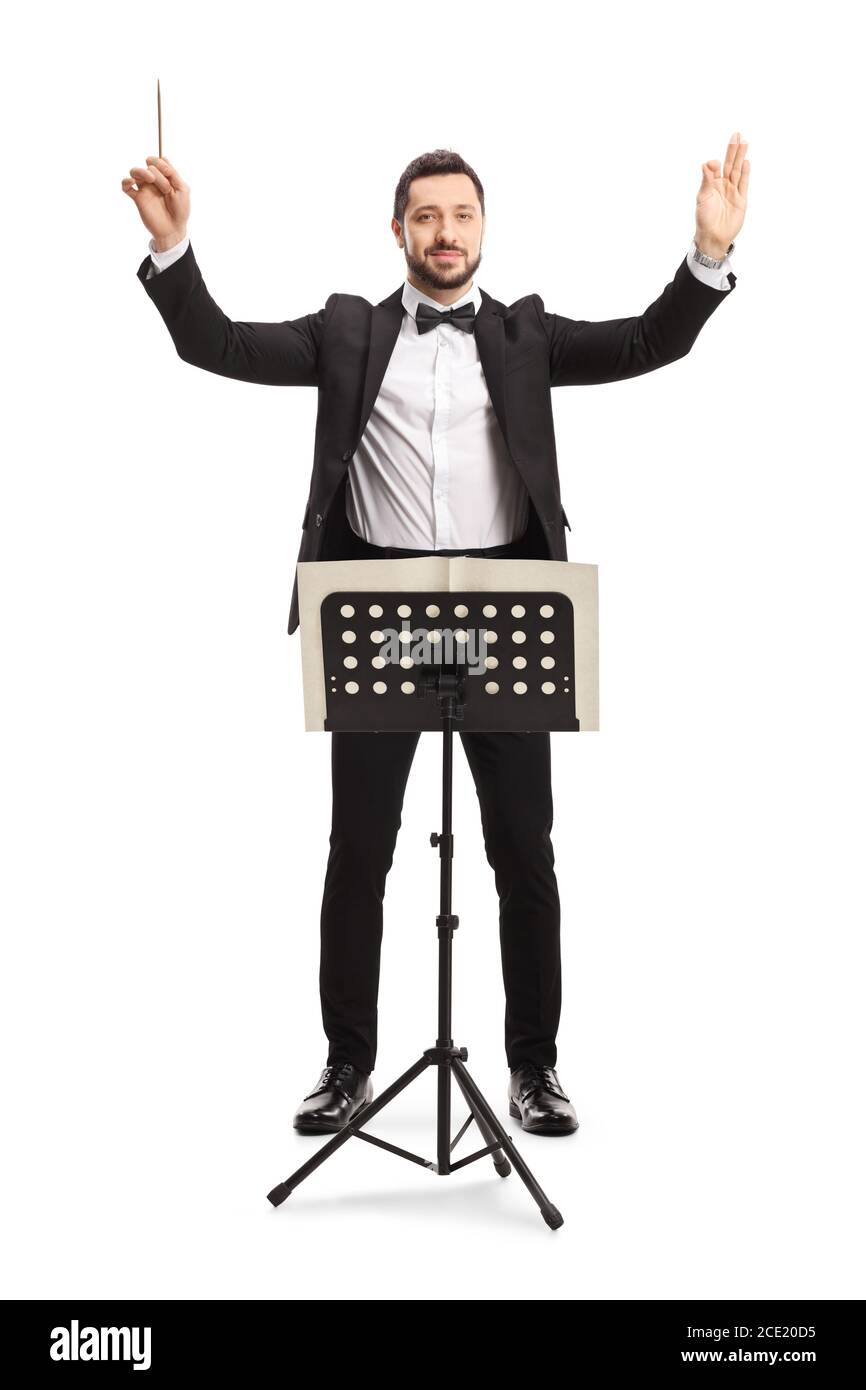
{"x": 412, "y": 298}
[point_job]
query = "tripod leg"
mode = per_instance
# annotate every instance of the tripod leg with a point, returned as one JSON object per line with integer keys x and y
{"x": 500, "y": 1162}
{"x": 443, "y": 1120}
{"x": 471, "y": 1091}
{"x": 279, "y": 1193}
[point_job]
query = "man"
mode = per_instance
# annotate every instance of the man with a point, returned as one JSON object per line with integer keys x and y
{"x": 435, "y": 435}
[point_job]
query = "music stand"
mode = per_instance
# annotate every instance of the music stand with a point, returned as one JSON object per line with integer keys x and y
{"x": 422, "y": 644}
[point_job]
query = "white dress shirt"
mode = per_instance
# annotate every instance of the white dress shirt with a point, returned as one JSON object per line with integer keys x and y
{"x": 432, "y": 470}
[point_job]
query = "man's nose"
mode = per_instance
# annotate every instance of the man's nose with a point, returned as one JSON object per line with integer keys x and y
{"x": 447, "y": 235}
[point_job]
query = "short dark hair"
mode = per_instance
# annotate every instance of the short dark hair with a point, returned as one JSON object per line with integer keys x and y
{"x": 435, "y": 162}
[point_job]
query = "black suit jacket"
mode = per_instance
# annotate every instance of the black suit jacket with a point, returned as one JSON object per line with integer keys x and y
{"x": 344, "y": 349}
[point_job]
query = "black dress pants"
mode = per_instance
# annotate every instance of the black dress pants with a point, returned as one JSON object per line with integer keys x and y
{"x": 369, "y": 773}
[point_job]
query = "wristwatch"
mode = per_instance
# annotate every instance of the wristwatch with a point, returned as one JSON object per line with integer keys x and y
{"x": 708, "y": 261}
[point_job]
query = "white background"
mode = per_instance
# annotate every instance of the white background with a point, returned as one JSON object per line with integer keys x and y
{"x": 166, "y": 817}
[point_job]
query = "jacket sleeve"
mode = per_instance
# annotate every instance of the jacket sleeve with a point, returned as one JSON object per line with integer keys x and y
{"x": 583, "y": 353}
{"x": 271, "y": 354}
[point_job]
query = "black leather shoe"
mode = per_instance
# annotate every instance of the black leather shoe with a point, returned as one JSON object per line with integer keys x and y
{"x": 341, "y": 1092}
{"x": 536, "y": 1098}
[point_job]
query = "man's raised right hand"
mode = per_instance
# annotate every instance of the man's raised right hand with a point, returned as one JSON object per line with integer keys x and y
{"x": 162, "y": 199}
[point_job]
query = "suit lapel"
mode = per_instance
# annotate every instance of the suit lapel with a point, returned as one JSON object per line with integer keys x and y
{"x": 385, "y": 326}
{"x": 490, "y": 336}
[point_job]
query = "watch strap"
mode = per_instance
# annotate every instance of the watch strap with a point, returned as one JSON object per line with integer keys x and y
{"x": 709, "y": 261}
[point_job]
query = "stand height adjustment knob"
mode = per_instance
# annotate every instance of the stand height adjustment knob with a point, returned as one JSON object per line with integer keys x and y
{"x": 445, "y": 843}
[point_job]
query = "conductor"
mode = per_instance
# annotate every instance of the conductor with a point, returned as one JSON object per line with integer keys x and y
{"x": 435, "y": 436}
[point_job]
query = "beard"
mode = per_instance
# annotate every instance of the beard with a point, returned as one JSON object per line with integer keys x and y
{"x": 451, "y": 275}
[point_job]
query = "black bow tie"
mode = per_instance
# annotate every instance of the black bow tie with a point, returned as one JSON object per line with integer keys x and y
{"x": 427, "y": 317}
